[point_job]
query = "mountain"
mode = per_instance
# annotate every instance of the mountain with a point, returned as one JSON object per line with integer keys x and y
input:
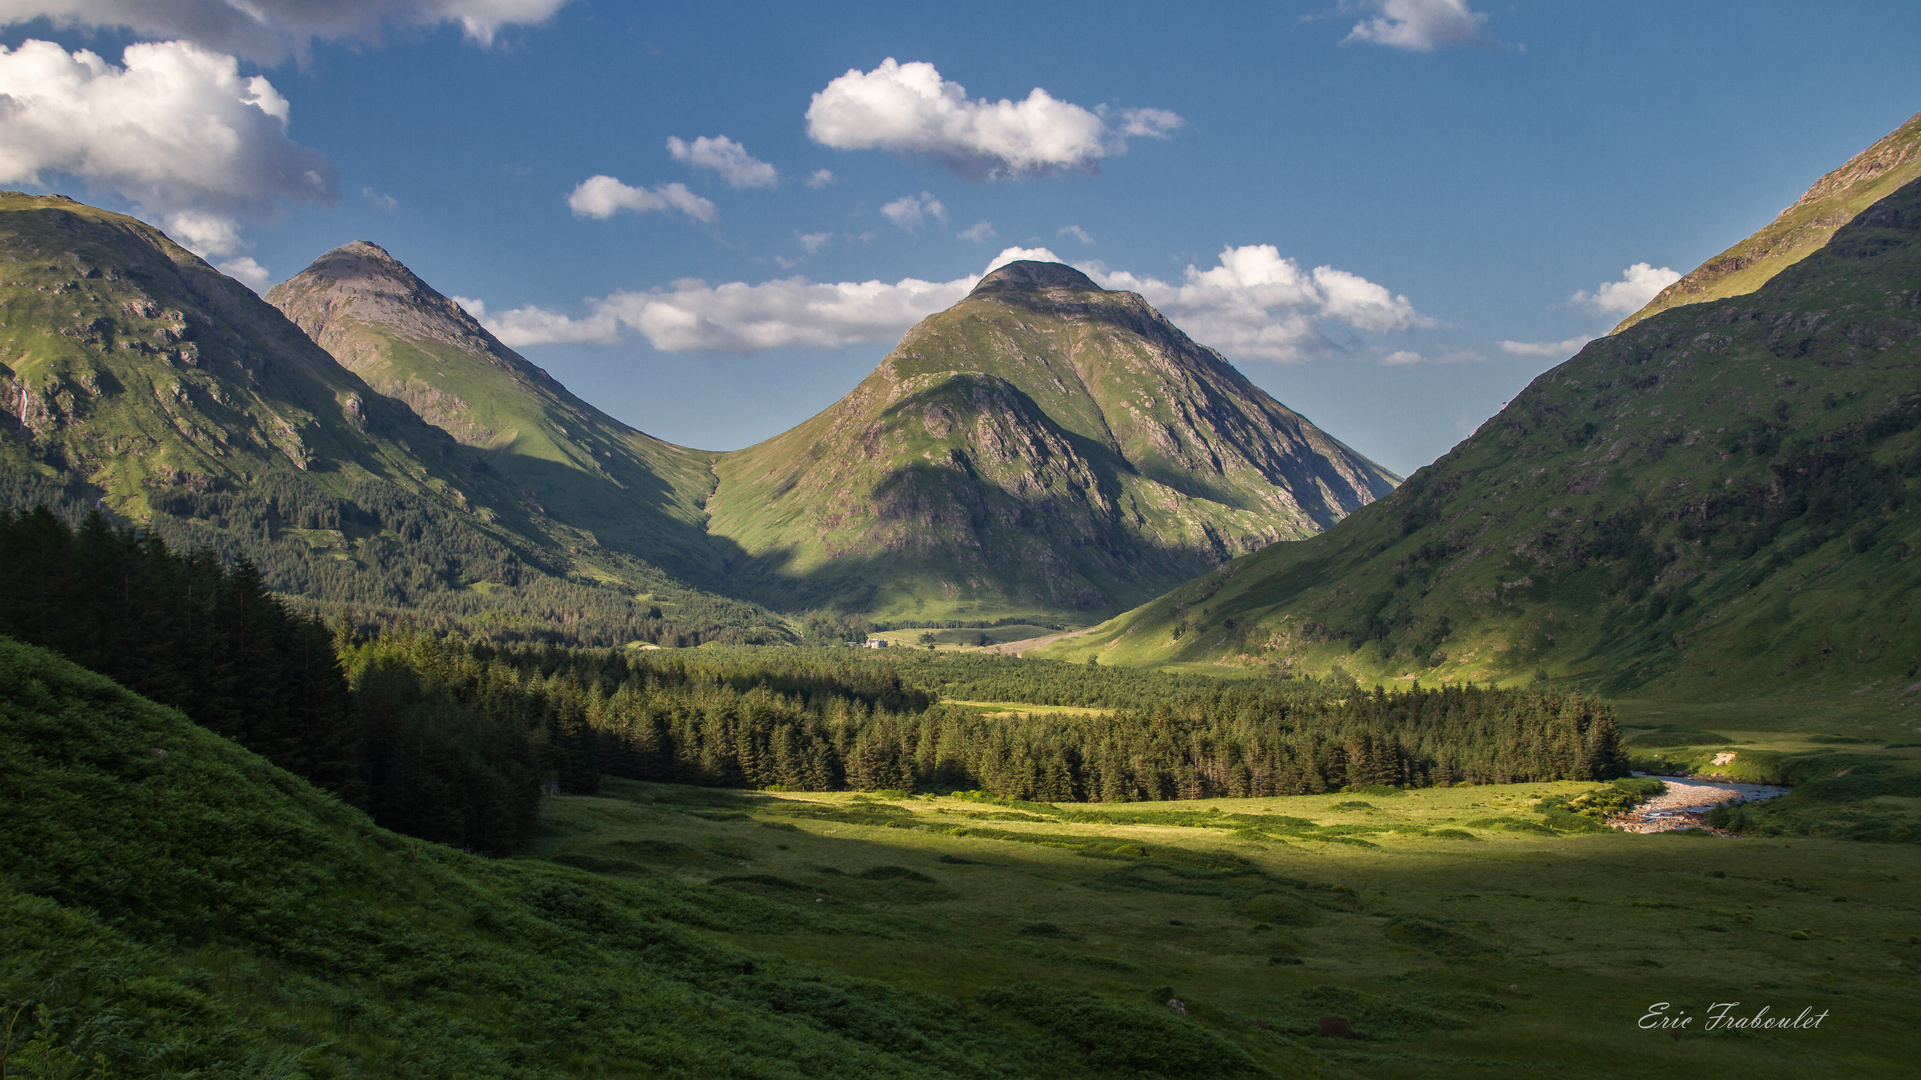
{"x": 137, "y": 379}
{"x": 1043, "y": 447}
{"x": 1721, "y": 501}
{"x": 632, "y": 492}
{"x": 1802, "y": 228}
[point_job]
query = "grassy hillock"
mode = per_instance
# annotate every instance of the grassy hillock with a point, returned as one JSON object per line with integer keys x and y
{"x": 1720, "y": 503}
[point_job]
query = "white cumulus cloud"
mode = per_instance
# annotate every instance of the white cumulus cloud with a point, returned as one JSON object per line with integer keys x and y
{"x": 274, "y": 30}
{"x": 383, "y": 203}
{"x": 248, "y": 272}
{"x": 1639, "y": 284}
{"x": 909, "y": 108}
{"x": 910, "y": 212}
{"x": 603, "y": 197}
{"x": 812, "y": 241}
{"x": 822, "y": 178}
{"x": 174, "y": 128}
{"x": 539, "y": 326}
{"x": 1559, "y": 350}
{"x": 1409, "y": 358}
{"x": 979, "y": 232}
{"x": 1421, "y": 25}
{"x": 1254, "y": 305}
{"x": 726, "y": 157}
{"x": 1077, "y": 233}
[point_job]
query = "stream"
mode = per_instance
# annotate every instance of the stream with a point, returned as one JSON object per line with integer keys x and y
{"x": 1681, "y": 806}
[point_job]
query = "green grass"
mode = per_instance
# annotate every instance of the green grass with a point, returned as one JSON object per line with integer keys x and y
{"x": 965, "y": 637}
{"x": 1457, "y": 944}
{"x": 180, "y": 905}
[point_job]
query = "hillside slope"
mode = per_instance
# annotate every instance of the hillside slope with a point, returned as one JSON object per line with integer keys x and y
{"x": 1044, "y": 447}
{"x": 181, "y": 907}
{"x": 136, "y": 378}
{"x": 633, "y": 492}
{"x": 1721, "y": 501}
{"x": 1801, "y": 229}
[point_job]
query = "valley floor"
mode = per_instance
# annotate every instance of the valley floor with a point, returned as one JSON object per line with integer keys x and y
{"x": 1454, "y": 934}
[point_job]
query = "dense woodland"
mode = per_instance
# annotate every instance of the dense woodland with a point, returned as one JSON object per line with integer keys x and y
{"x": 457, "y": 741}
{"x": 413, "y": 566}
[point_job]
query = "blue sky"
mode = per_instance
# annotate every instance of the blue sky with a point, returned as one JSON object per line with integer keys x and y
{"x": 1357, "y": 203}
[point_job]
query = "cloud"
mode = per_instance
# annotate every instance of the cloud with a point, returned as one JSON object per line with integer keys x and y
{"x": 822, "y": 178}
{"x": 726, "y": 157}
{"x": 175, "y": 129}
{"x": 1559, "y": 350}
{"x": 812, "y": 241}
{"x": 1407, "y": 358}
{"x": 1421, "y": 25}
{"x": 538, "y": 326}
{"x": 603, "y": 197}
{"x": 979, "y": 232}
{"x": 274, "y": 30}
{"x": 383, "y": 203}
{"x": 909, "y": 108}
{"x": 911, "y": 212}
{"x": 1256, "y": 305}
{"x": 1639, "y": 284}
{"x": 248, "y": 272}
{"x": 1077, "y": 233}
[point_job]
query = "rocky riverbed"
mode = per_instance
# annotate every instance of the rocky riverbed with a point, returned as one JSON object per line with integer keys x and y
{"x": 1686, "y": 802}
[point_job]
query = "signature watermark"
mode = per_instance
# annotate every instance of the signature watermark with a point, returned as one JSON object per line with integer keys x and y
{"x": 1725, "y": 1016}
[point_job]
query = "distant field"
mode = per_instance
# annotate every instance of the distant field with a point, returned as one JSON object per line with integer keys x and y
{"x": 1454, "y": 932}
{"x": 1002, "y": 708}
{"x": 964, "y": 637}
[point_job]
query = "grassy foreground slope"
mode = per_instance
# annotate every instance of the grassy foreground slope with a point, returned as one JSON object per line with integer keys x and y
{"x": 1801, "y": 229}
{"x": 1043, "y": 448}
{"x": 185, "y": 908}
{"x": 1720, "y": 502}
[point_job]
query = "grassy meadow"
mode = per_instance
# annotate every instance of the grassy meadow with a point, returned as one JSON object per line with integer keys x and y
{"x": 1456, "y": 933}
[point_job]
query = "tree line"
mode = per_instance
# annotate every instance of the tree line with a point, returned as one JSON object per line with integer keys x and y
{"x": 458, "y": 740}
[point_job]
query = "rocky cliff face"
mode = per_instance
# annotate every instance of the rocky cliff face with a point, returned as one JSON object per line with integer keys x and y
{"x": 1044, "y": 445}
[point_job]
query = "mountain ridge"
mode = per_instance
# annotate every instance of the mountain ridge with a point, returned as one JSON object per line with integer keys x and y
{"x": 1800, "y": 229}
{"x": 137, "y": 380}
{"x": 1718, "y": 501}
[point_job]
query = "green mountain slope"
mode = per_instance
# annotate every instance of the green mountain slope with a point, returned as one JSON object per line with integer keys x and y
{"x": 632, "y": 492}
{"x": 1044, "y": 447}
{"x": 183, "y": 908}
{"x": 1721, "y": 501}
{"x": 1802, "y": 228}
{"x": 135, "y": 377}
